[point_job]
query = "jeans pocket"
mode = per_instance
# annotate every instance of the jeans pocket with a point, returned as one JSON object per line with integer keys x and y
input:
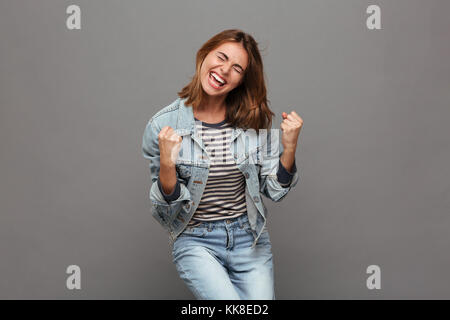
{"x": 198, "y": 232}
{"x": 264, "y": 238}
{"x": 248, "y": 229}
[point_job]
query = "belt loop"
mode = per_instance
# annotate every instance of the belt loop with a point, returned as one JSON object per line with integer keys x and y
{"x": 241, "y": 224}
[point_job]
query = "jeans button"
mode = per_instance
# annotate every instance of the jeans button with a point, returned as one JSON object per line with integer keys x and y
{"x": 228, "y": 221}
{"x": 246, "y": 175}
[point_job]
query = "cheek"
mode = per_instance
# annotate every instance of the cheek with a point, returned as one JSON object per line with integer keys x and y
{"x": 236, "y": 82}
{"x": 205, "y": 67}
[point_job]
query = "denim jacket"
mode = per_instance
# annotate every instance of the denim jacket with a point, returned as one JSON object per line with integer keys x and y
{"x": 256, "y": 156}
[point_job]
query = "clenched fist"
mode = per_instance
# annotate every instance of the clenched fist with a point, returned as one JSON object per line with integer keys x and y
{"x": 290, "y": 126}
{"x": 169, "y": 146}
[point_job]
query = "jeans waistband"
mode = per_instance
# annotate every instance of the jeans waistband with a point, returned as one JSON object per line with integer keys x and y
{"x": 230, "y": 223}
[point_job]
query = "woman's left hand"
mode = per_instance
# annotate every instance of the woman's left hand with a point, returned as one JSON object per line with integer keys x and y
{"x": 290, "y": 126}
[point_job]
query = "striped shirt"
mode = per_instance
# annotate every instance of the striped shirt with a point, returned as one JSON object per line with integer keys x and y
{"x": 224, "y": 194}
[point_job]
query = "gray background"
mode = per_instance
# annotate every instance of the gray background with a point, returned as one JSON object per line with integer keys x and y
{"x": 374, "y": 151}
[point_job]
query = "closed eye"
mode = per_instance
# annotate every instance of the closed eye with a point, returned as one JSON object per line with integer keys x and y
{"x": 224, "y": 60}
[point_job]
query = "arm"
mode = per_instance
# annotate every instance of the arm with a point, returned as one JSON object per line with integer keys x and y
{"x": 164, "y": 206}
{"x": 275, "y": 180}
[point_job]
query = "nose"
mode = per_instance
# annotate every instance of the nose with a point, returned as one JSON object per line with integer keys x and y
{"x": 226, "y": 67}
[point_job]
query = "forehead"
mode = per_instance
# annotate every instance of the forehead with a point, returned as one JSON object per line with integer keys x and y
{"x": 235, "y": 52}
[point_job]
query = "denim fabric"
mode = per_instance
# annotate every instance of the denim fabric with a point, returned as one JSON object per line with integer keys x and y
{"x": 256, "y": 156}
{"x": 216, "y": 261}
{"x": 283, "y": 176}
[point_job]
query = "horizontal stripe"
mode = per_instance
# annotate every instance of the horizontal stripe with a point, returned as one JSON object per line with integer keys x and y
{"x": 194, "y": 222}
{"x": 224, "y": 193}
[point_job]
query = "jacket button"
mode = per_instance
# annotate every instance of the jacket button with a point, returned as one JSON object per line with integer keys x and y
{"x": 256, "y": 198}
{"x": 246, "y": 175}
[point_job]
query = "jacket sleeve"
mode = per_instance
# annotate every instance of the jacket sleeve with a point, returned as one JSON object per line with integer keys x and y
{"x": 275, "y": 180}
{"x": 164, "y": 207}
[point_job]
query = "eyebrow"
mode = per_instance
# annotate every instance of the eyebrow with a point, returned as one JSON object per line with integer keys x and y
{"x": 226, "y": 57}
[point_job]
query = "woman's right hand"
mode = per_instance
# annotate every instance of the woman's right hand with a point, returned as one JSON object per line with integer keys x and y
{"x": 169, "y": 146}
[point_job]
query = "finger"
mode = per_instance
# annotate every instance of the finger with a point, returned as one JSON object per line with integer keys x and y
{"x": 292, "y": 118}
{"x": 163, "y": 131}
{"x": 284, "y": 115}
{"x": 170, "y": 134}
{"x": 178, "y": 138}
{"x": 290, "y": 122}
{"x": 174, "y": 137}
{"x": 295, "y": 115}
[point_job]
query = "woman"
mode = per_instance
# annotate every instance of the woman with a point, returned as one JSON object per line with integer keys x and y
{"x": 207, "y": 177}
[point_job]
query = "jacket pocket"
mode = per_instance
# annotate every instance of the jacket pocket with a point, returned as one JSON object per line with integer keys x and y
{"x": 184, "y": 171}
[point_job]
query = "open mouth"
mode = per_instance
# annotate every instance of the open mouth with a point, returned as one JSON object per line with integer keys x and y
{"x": 214, "y": 80}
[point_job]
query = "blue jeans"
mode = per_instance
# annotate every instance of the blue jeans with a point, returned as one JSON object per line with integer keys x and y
{"x": 216, "y": 261}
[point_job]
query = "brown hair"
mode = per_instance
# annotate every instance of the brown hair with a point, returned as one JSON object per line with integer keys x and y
{"x": 247, "y": 104}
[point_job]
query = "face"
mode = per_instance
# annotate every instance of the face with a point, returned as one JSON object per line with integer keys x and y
{"x": 228, "y": 63}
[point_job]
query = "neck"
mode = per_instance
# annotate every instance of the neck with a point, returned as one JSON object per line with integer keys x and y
{"x": 215, "y": 105}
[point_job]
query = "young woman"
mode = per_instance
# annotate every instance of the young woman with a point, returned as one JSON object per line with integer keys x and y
{"x": 207, "y": 177}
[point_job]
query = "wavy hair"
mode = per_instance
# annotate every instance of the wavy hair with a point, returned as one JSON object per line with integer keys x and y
{"x": 247, "y": 104}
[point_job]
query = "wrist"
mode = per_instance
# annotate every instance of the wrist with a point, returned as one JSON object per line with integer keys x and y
{"x": 289, "y": 150}
{"x": 166, "y": 164}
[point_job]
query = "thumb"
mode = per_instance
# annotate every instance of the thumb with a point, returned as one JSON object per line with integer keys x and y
{"x": 284, "y": 115}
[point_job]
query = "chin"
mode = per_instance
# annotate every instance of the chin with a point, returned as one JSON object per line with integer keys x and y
{"x": 211, "y": 92}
